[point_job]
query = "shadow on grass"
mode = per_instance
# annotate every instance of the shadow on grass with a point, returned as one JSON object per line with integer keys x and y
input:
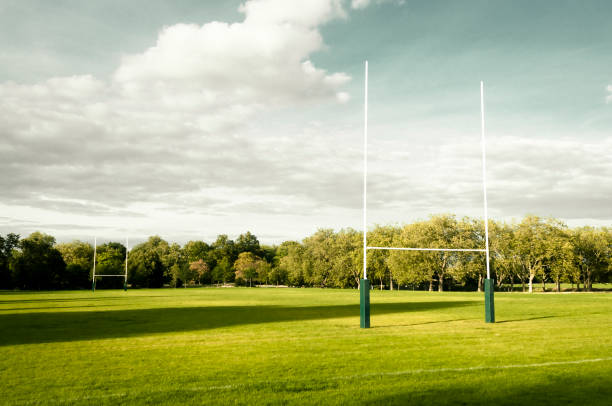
{"x": 555, "y": 386}
{"x": 31, "y": 328}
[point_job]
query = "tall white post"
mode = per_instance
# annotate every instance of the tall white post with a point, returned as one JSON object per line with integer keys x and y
{"x": 365, "y": 176}
{"x": 93, "y": 278}
{"x": 127, "y": 245}
{"x": 94, "y": 262}
{"x": 484, "y": 176}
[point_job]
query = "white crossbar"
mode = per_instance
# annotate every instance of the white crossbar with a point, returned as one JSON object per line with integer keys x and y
{"x": 426, "y": 249}
{"x": 110, "y": 275}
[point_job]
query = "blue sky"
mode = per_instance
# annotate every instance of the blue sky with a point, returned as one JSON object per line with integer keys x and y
{"x": 189, "y": 119}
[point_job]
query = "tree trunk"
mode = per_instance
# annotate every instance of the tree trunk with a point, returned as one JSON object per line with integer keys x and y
{"x": 380, "y": 283}
{"x": 558, "y": 282}
{"x": 588, "y": 284}
{"x": 431, "y": 284}
{"x": 441, "y": 283}
{"x": 390, "y": 283}
{"x": 480, "y": 279}
{"x": 523, "y": 284}
{"x": 543, "y": 285}
{"x": 531, "y": 276}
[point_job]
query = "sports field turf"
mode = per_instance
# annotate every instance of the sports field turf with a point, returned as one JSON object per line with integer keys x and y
{"x": 303, "y": 346}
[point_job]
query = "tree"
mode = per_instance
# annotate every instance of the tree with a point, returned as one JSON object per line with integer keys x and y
{"x": 531, "y": 247}
{"x": 222, "y": 272}
{"x": 248, "y": 243}
{"x": 222, "y": 256}
{"x": 592, "y": 250}
{"x": 7, "y": 245}
{"x": 318, "y": 258}
{"x": 247, "y": 267}
{"x": 78, "y": 256}
{"x": 347, "y": 258}
{"x": 440, "y": 231}
{"x": 199, "y": 268}
{"x": 469, "y": 266}
{"x": 378, "y": 268}
{"x": 38, "y": 265}
{"x": 195, "y": 250}
{"x": 148, "y": 264}
{"x": 504, "y": 258}
{"x": 292, "y": 262}
{"x": 110, "y": 260}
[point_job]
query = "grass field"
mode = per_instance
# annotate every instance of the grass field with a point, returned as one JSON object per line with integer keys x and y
{"x": 274, "y": 346}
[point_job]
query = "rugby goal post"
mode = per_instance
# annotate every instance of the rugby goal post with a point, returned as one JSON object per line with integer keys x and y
{"x": 364, "y": 285}
{"x": 124, "y": 276}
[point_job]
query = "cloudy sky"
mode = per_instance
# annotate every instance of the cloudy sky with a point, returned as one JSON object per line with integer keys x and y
{"x": 195, "y": 118}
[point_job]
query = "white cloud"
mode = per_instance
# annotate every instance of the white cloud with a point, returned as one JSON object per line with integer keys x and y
{"x": 609, "y": 98}
{"x": 171, "y": 126}
{"x": 564, "y": 178}
{"x": 359, "y": 4}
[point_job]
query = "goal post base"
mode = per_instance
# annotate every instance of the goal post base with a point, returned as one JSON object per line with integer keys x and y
{"x": 489, "y": 285}
{"x": 364, "y": 303}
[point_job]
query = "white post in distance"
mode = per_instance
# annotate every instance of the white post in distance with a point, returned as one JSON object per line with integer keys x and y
{"x": 93, "y": 279}
{"x": 127, "y": 249}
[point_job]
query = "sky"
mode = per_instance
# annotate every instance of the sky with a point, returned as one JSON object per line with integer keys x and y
{"x": 190, "y": 119}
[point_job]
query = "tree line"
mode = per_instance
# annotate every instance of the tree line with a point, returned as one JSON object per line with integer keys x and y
{"x": 534, "y": 250}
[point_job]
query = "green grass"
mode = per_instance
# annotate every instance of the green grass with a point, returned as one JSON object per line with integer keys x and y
{"x": 303, "y": 346}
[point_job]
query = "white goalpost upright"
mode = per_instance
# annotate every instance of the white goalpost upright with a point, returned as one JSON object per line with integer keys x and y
{"x": 364, "y": 285}
{"x": 124, "y": 276}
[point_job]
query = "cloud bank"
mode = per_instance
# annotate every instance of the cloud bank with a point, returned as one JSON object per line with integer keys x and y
{"x": 180, "y": 140}
{"x": 169, "y": 127}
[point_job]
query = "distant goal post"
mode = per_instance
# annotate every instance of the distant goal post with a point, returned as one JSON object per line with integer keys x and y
{"x": 124, "y": 275}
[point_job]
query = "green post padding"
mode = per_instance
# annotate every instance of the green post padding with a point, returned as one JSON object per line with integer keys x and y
{"x": 125, "y": 286}
{"x": 489, "y": 302}
{"x": 364, "y": 303}
{"x": 93, "y": 286}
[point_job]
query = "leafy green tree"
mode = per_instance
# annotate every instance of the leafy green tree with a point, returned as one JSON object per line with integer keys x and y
{"x": 78, "y": 256}
{"x": 248, "y": 243}
{"x": 148, "y": 264}
{"x": 247, "y": 267}
{"x": 319, "y": 258}
{"x": 467, "y": 266}
{"x": 504, "y": 256}
{"x": 346, "y": 258}
{"x": 110, "y": 260}
{"x": 196, "y": 250}
{"x": 292, "y": 262}
{"x": 7, "y": 245}
{"x": 378, "y": 268}
{"x": 222, "y": 256}
{"x": 222, "y": 272}
{"x": 38, "y": 265}
{"x": 531, "y": 247}
{"x": 440, "y": 231}
{"x": 199, "y": 269}
{"x": 592, "y": 250}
